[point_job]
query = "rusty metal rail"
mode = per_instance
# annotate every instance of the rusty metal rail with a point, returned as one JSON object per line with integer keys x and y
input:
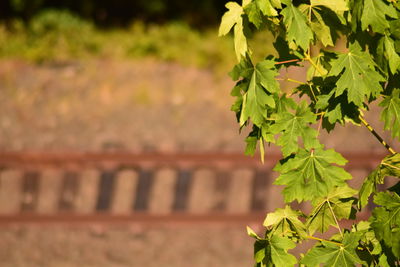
{"x": 143, "y": 219}
{"x": 128, "y": 187}
{"x": 28, "y": 159}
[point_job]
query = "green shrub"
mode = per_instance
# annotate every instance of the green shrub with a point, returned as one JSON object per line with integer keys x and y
{"x": 58, "y": 35}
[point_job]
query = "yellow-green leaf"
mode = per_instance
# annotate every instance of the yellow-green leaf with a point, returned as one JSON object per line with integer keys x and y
{"x": 230, "y": 18}
{"x": 374, "y": 15}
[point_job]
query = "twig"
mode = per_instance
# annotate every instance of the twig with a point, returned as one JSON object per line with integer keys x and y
{"x": 377, "y": 136}
{"x": 288, "y": 61}
{"x": 295, "y": 81}
{"x": 308, "y": 58}
{"x": 320, "y": 122}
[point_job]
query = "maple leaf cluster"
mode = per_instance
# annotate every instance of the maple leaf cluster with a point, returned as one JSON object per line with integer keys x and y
{"x": 339, "y": 88}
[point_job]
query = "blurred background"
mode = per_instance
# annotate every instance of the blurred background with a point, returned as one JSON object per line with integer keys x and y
{"x": 130, "y": 78}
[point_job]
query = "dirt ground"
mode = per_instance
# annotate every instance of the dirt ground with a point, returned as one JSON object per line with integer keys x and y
{"x": 211, "y": 246}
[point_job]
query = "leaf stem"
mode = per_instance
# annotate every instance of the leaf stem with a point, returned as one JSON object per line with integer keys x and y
{"x": 309, "y": 59}
{"x": 288, "y": 61}
{"x": 290, "y": 80}
{"x": 377, "y": 136}
{"x": 294, "y": 81}
{"x": 323, "y": 240}
{"x": 312, "y": 92}
{"x": 334, "y": 217}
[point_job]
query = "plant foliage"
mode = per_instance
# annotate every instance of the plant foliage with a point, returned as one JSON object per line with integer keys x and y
{"x": 339, "y": 87}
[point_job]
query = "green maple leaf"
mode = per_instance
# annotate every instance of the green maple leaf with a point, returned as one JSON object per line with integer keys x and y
{"x": 254, "y": 14}
{"x": 321, "y": 30}
{"x": 272, "y": 250}
{"x": 323, "y": 22}
{"x": 359, "y": 77}
{"x": 390, "y": 53}
{"x": 258, "y": 135}
{"x": 284, "y": 103}
{"x": 294, "y": 125}
{"x": 267, "y": 7}
{"x": 310, "y": 174}
{"x": 336, "y": 109}
{"x": 391, "y": 113}
{"x": 338, "y": 6}
{"x": 368, "y": 240}
{"x": 298, "y": 31}
{"x": 260, "y": 87}
{"x": 233, "y": 18}
{"x": 279, "y": 255}
{"x": 369, "y": 186}
{"x": 337, "y": 255}
{"x": 338, "y": 204}
{"x": 257, "y": 8}
{"x": 374, "y": 15}
{"x": 243, "y": 69}
{"x": 251, "y": 145}
{"x": 335, "y": 114}
{"x": 386, "y": 220}
{"x": 319, "y": 62}
{"x": 390, "y": 166}
{"x": 285, "y": 222}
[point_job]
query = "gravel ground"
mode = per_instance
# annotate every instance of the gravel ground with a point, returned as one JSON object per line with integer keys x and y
{"x": 128, "y": 246}
{"x": 101, "y": 105}
{"x": 136, "y": 106}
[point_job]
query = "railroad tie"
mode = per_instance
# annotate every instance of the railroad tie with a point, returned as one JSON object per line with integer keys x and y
{"x": 239, "y": 195}
{"x": 201, "y": 198}
{"x": 162, "y": 193}
{"x": 88, "y": 191}
{"x": 125, "y": 191}
{"x": 10, "y": 193}
{"x": 50, "y": 190}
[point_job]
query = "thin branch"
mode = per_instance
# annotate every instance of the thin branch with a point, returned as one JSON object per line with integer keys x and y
{"x": 295, "y": 81}
{"x": 309, "y": 59}
{"x": 312, "y": 92}
{"x": 290, "y": 80}
{"x": 320, "y": 122}
{"x": 288, "y": 61}
{"x": 377, "y": 136}
{"x": 334, "y": 217}
{"x": 391, "y": 166}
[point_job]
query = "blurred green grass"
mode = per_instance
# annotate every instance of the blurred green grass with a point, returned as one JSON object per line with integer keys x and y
{"x": 56, "y": 35}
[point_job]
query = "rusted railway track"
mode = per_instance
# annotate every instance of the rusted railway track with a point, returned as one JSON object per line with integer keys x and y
{"x": 28, "y": 159}
{"x": 45, "y": 199}
{"x": 143, "y": 219}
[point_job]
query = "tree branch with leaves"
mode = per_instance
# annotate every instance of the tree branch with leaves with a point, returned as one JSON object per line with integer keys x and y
{"x": 340, "y": 87}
